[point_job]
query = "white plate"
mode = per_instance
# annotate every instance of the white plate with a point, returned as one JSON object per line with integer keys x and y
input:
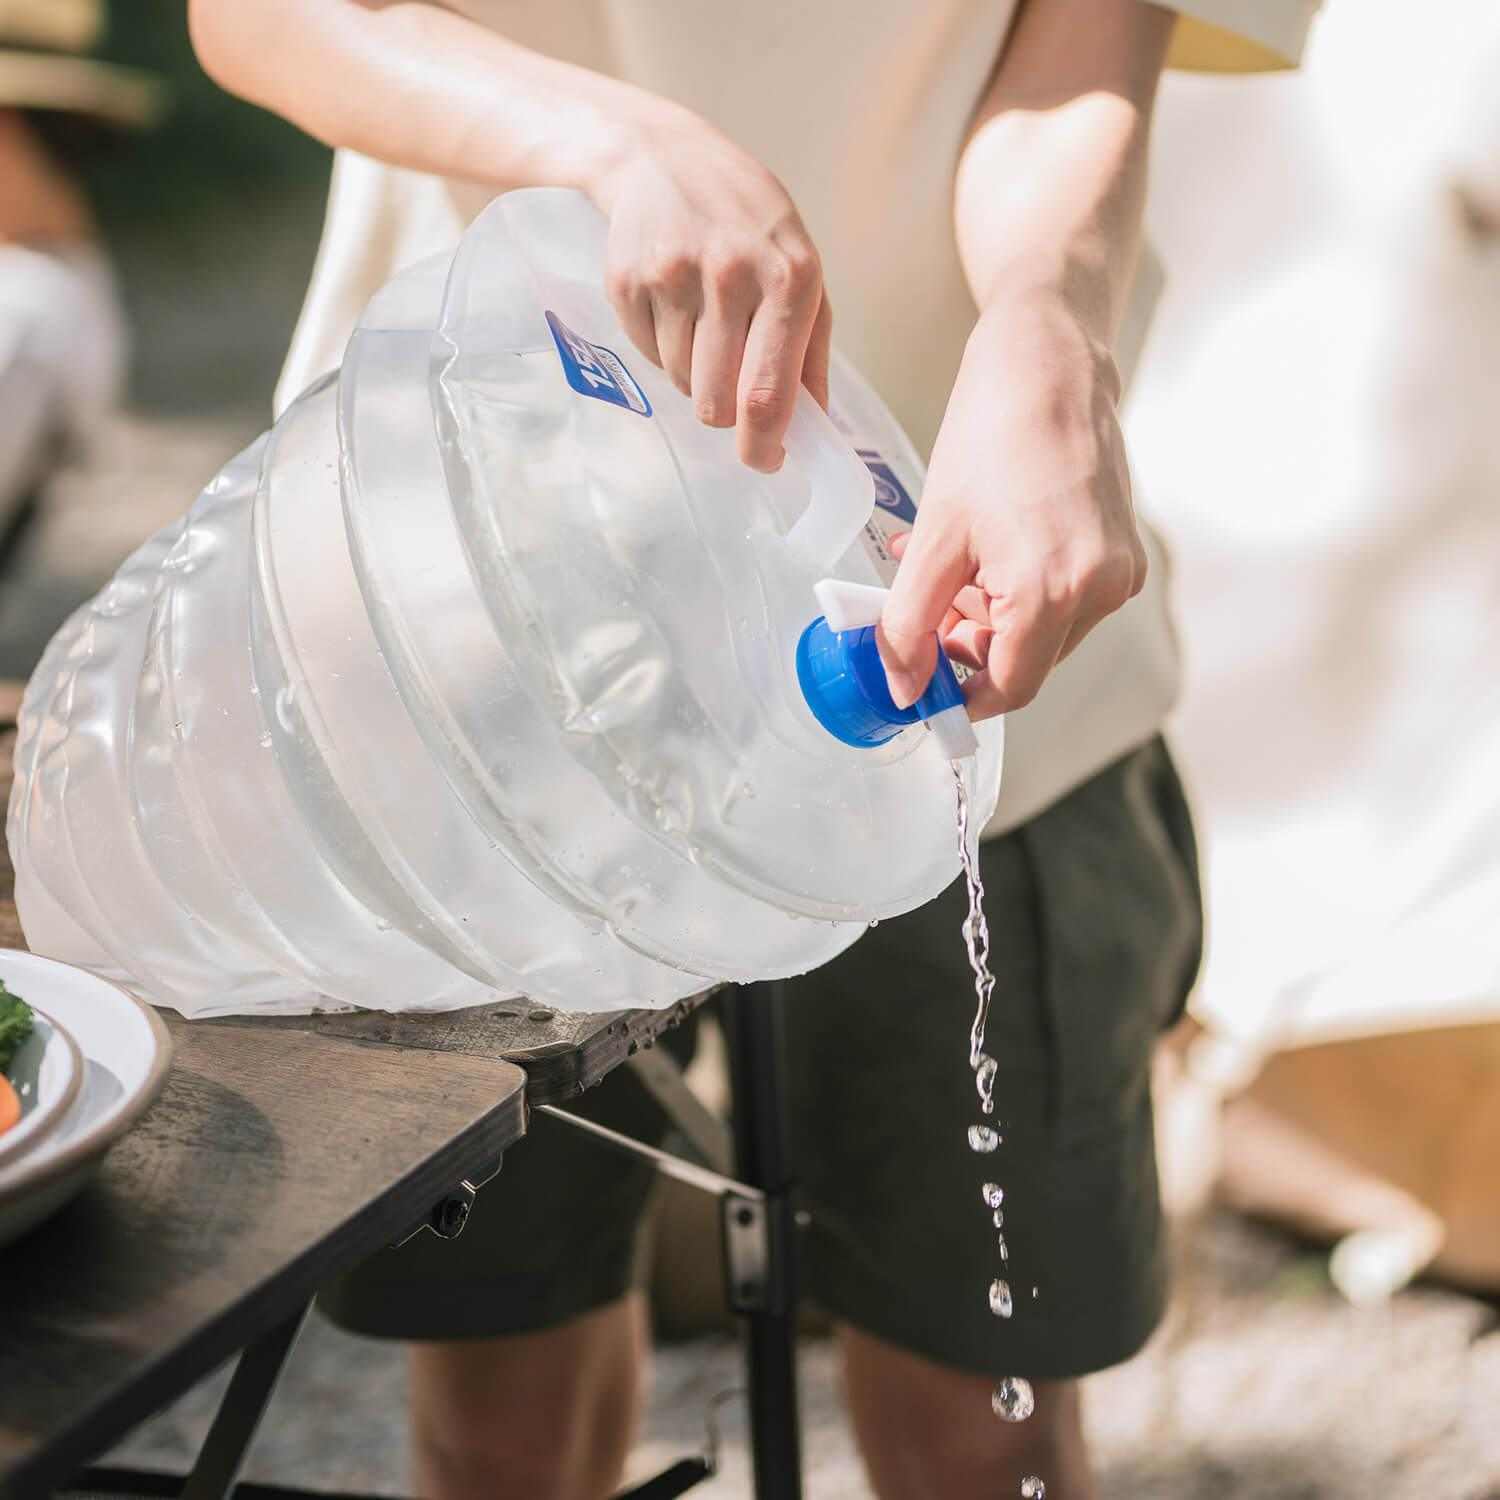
{"x": 45, "y": 1073}
{"x": 125, "y": 1051}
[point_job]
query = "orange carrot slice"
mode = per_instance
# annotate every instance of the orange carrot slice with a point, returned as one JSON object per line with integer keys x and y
{"x": 10, "y": 1105}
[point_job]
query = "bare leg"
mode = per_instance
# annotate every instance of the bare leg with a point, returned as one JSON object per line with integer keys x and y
{"x": 534, "y": 1416}
{"x": 927, "y": 1431}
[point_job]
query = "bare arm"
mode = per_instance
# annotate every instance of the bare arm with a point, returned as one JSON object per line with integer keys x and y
{"x": 710, "y": 268}
{"x": 1052, "y": 182}
{"x": 418, "y": 86}
{"x": 1026, "y": 538}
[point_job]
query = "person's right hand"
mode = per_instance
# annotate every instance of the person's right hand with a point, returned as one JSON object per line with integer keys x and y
{"x": 715, "y": 278}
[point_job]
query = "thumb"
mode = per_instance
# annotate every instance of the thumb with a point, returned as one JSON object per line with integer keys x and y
{"x": 935, "y": 565}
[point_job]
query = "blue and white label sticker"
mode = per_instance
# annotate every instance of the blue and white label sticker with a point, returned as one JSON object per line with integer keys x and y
{"x": 593, "y": 370}
{"x": 890, "y": 493}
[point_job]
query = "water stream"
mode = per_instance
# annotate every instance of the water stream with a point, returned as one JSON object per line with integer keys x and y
{"x": 1013, "y": 1399}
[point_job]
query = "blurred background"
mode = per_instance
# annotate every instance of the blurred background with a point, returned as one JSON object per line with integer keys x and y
{"x": 209, "y": 213}
{"x": 1313, "y": 427}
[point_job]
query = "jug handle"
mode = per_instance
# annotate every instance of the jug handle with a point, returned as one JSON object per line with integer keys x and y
{"x": 842, "y": 488}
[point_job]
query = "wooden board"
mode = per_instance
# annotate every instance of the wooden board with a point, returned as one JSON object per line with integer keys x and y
{"x": 562, "y": 1052}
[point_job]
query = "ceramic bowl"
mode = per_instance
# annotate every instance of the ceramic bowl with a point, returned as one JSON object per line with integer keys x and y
{"x": 45, "y": 1073}
{"x": 125, "y": 1053}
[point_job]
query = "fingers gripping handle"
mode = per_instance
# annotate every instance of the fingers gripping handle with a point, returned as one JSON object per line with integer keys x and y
{"x": 843, "y": 491}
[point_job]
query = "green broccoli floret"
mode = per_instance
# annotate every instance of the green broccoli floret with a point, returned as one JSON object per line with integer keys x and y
{"x": 15, "y": 1025}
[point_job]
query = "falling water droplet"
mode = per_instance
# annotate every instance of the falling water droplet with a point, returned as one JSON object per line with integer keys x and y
{"x": 993, "y": 1194}
{"x": 984, "y": 1080}
{"x": 999, "y": 1217}
{"x": 1032, "y": 1488}
{"x": 1000, "y": 1300}
{"x": 983, "y": 1138}
{"x": 1036, "y": 1292}
{"x": 1004, "y": 1249}
{"x": 1014, "y": 1400}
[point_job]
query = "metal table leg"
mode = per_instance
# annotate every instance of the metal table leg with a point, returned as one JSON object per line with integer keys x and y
{"x": 753, "y": 1024}
{"x": 235, "y": 1423}
{"x": 217, "y": 1470}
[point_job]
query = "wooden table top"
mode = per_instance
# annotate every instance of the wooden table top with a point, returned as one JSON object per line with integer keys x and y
{"x": 249, "y": 1184}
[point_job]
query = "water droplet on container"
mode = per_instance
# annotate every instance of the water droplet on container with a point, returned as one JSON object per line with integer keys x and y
{"x": 265, "y": 739}
{"x": 983, "y": 1138}
{"x": 993, "y": 1194}
{"x": 1000, "y": 1299}
{"x": 1013, "y": 1400}
{"x": 1032, "y": 1488}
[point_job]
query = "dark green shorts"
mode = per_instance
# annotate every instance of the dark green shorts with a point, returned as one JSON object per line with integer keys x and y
{"x": 1095, "y": 928}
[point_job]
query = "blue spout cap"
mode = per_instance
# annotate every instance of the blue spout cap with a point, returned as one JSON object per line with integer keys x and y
{"x": 843, "y": 680}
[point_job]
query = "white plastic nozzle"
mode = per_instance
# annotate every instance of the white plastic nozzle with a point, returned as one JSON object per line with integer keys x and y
{"x": 849, "y": 606}
{"x": 954, "y": 733}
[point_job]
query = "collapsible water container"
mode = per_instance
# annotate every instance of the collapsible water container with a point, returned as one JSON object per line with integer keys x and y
{"x": 490, "y": 671}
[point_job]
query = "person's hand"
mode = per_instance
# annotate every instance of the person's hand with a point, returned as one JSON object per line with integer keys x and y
{"x": 1025, "y": 538}
{"x": 715, "y": 278}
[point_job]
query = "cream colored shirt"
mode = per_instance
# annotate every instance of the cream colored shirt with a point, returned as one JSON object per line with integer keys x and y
{"x": 860, "y": 107}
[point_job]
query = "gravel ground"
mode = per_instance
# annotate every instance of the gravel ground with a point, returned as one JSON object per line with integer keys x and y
{"x": 1263, "y": 1385}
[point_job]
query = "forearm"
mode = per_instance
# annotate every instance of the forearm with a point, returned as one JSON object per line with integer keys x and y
{"x": 420, "y": 86}
{"x": 1026, "y": 538}
{"x": 1051, "y": 183}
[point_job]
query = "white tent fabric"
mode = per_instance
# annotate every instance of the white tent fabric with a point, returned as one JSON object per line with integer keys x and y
{"x": 1315, "y": 426}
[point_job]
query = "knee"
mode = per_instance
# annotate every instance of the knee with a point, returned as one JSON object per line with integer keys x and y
{"x": 928, "y": 1430}
{"x": 545, "y": 1416}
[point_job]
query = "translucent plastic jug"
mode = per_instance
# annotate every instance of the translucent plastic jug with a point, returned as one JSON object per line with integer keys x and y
{"x": 489, "y": 670}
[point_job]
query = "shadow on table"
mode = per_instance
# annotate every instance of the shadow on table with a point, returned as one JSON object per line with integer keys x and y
{"x": 88, "y": 1275}
{"x": 101, "y": 1251}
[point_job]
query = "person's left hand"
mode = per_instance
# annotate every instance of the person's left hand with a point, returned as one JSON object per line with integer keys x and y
{"x": 1026, "y": 537}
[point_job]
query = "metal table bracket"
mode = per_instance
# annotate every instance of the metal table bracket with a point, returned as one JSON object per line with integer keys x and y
{"x": 447, "y": 1217}
{"x": 747, "y": 1251}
